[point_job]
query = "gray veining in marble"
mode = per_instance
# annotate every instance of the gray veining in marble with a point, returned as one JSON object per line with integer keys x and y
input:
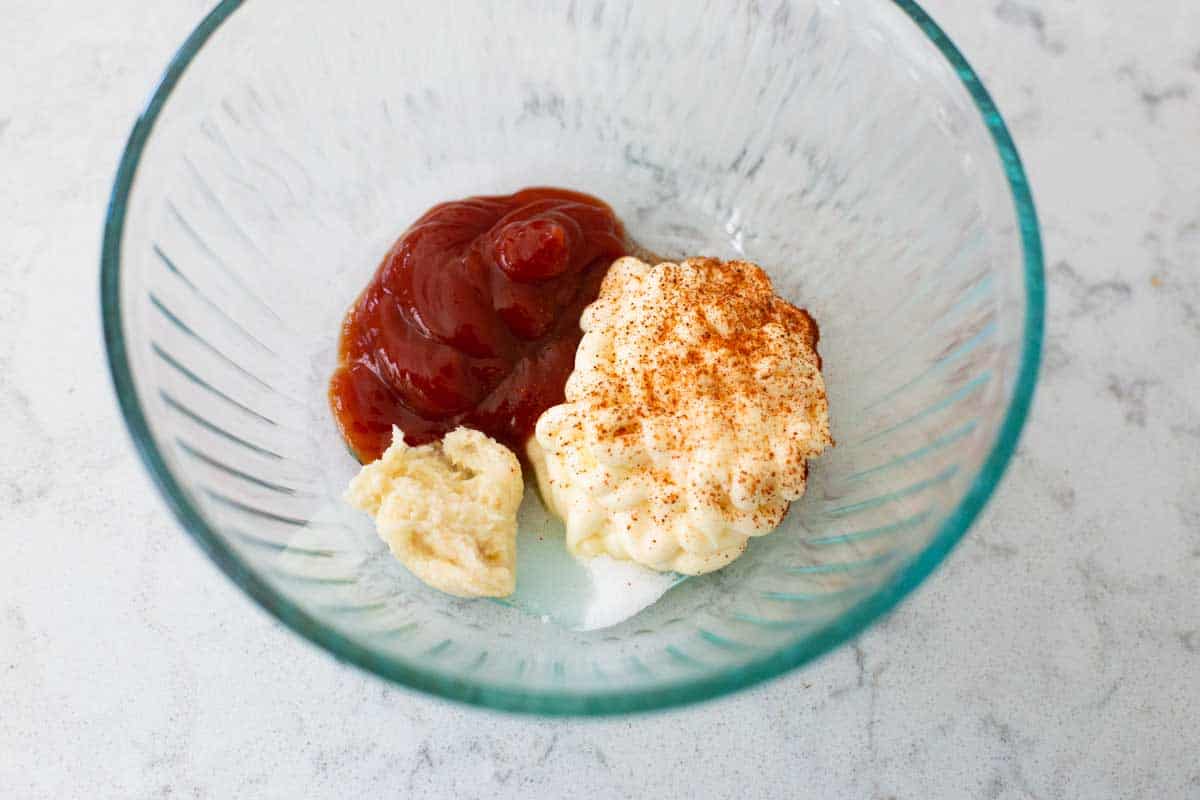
{"x": 1057, "y": 654}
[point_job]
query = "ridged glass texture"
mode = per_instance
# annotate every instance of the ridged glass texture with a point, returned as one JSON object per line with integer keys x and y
{"x": 845, "y": 146}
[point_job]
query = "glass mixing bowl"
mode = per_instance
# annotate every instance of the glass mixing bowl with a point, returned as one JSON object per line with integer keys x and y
{"x": 846, "y": 147}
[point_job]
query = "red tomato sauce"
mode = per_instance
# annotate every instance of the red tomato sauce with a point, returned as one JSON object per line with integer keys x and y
{"x": 472, "y": 319}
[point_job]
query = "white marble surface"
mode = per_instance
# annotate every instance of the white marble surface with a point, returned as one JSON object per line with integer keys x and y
{"x": 1057, "y": 654}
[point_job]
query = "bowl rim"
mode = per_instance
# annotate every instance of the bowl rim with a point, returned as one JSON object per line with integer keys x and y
{"x": 564, "y": 702}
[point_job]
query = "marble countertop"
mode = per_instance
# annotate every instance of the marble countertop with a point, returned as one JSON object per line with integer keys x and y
{"x": 1057, "y": 653}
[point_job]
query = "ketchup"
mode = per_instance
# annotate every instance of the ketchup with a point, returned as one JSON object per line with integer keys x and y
{"x": 472, "y": 319}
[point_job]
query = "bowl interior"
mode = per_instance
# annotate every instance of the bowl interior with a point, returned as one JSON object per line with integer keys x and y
{"x": 844, "y": 147}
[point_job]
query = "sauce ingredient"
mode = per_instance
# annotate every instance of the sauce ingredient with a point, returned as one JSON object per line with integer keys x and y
{"x": 447, "y": 510}
{"x": 695, "y": 404}
{"x": 472, "y": 319}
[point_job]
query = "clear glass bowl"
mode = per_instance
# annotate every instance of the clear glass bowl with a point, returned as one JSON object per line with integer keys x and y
{"x": 847, "y": 147}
